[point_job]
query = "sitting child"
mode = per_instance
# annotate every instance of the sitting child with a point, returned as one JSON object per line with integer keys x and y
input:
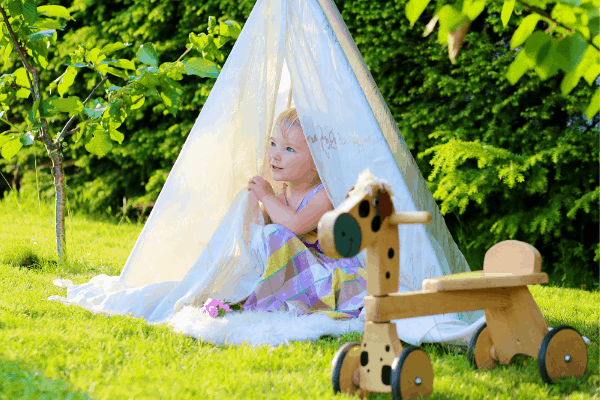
{"x": 298, "y": 276}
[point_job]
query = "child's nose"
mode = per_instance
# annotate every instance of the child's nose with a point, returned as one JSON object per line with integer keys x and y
{"x": 275, "y": 153}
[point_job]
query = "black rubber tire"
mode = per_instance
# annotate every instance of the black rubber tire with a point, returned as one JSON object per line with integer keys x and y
{"x": 397, "y": 366}
{"x": 544, "y": 349}
{"x": 336, "y": 365}
{"x": 472, "y": 342}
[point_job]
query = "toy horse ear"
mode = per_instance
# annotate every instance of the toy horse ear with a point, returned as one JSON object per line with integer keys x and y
{"x": 386, "y": 207}
{"x": 348, "y": 194}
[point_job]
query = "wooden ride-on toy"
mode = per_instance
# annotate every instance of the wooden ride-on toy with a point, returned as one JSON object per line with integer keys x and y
{"x": 515, "y": 325}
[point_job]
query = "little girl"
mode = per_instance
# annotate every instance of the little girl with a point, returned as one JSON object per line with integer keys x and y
{"x": 298, "y": 276}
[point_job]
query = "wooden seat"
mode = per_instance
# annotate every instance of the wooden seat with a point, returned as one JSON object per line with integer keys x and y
{"x": 506, "y": 264}
{"x": 481, "y": 280}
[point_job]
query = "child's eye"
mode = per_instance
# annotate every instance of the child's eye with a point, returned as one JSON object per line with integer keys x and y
{"x": 290, "y": 148}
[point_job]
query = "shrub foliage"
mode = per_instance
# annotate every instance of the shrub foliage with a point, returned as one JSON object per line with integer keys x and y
{"x": 503, "y": 161}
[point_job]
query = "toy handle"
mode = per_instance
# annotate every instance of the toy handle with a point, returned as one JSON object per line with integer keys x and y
{"x": 411, "y": 217}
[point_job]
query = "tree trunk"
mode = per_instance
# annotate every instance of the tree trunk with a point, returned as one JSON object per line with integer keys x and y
{"x": 59, "y": 203}
{"x": 53, "y": 148}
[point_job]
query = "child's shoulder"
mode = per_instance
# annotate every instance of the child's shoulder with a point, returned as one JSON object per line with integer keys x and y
{"x": 322, "y": 198}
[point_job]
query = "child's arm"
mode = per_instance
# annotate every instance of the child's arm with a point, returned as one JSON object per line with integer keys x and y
{"x": 298, "y": 222}
{"x": 265, "y": 214}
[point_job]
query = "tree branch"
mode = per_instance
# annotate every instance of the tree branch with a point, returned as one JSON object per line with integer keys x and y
{"x": 18, "y": 47}
{"x": 548, "y": 17}
{"x": 68, "y": 124}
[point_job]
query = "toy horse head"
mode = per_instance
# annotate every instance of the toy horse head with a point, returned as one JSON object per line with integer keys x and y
{"x": 358, "y": 221}
{"x": 345, "y": 231}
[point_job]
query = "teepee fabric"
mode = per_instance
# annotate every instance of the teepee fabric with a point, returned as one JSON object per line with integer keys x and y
{"x": 198, "y": 241}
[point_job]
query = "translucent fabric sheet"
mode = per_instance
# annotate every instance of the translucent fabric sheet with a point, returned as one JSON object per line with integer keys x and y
{"x": 198, "y": 241}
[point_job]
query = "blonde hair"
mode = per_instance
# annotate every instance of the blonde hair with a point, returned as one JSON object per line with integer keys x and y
{"x": 287, "y": 120}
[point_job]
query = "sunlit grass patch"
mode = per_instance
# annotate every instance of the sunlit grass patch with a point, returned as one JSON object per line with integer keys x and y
{"x": 122, "y": 357}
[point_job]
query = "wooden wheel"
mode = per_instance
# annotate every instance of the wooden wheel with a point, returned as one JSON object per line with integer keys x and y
{"x": 562, "y": 353}
{"x": 343, "y": 367}
{"x": 412, "y": 374}
{"x": 481, "y": 349}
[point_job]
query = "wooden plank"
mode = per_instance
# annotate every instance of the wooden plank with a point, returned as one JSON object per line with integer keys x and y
{"x": 410, "y": 217}
{"x": 418, "y": 303}
{"x": 481, "y": 280}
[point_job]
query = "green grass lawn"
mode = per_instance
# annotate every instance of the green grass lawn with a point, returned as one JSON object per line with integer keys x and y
{"x": 49, "y": 350}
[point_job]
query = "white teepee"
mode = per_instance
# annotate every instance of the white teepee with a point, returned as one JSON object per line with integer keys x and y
{"x": 198, "y": 241}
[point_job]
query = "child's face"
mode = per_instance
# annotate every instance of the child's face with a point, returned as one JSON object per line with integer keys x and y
{"x": 291, "y": 155}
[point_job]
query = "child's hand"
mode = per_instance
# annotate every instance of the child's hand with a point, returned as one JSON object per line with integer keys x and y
{"x": 260, "y": 187}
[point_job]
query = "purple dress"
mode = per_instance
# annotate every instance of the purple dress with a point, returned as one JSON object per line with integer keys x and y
{"x": 300, "y": 278}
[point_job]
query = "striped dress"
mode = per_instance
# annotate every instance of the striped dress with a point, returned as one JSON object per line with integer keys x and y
{"x": 300, "y": 278}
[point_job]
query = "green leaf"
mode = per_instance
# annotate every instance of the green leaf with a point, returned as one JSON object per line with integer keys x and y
{"x": 70, "y": 104}
{"x": 47, "y": 109}
{"x": 592, "y": 108}
{"x": 5, "y": 138}
{"x": 29, "y": 11}
{"x": 533, "y": 46}
{"x": 100, "y": 144}
{"x": 594, "y": 25}
{"x": 524, "y": 30}
{"x": 78, "y": 65}
{"x": 116, "y": 136}
{"x": 450, "y": 19}
{"x": 34, "y": 112}
{"x": 517, "y": 68}
{"x": 414, "y": 9}
{"x": 23, "y": 93}
{"x": 574, "y": 3}
{"x": 170, "y": 93}
{"x": 66, "y": 80}
{"x": 39, "y": 51}
{"x": 54, "y": 11}
{"x": 220, "y": 41}
{"x": 41, "y": 34}
{"x": 546, "y": 65}
{"x": 117, "y": 72}
{"x": 507, "y": 9}
{"x": 472, "y": 8}
{"x": 20, "y": 76}
{"x": 201, "y": 67}
{"x": 48, "y": 23}
{"x": 592, "y": 72}
{"x": 26, "y": 139}
{"x": 569, "y": 82}
{"x": 232, "y": 29}
{"x": 147, "y": 54}
{"x": 12, "y": 147}
{"x": 92, "y": 55}
{"x": 570, "y": 52}
{"x": 125, "y": 64}
{"x": 15, "y": 8}
{"x": 137, "y": 102}
{"x": 212, "y": 22}
{"x": 199, "y": 42}
{"x": 112, "y": 47}
{"x": 97, "y": 109}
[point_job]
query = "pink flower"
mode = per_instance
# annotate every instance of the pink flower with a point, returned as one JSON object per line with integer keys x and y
{"x": 215, "y": 308}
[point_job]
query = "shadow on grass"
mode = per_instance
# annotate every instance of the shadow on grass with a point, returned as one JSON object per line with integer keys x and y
{"x": 26, "y": 256}
{"x": 17, "y": 382}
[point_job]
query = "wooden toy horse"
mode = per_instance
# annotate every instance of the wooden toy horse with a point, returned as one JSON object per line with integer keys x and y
{"x": 515, "y": 325}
